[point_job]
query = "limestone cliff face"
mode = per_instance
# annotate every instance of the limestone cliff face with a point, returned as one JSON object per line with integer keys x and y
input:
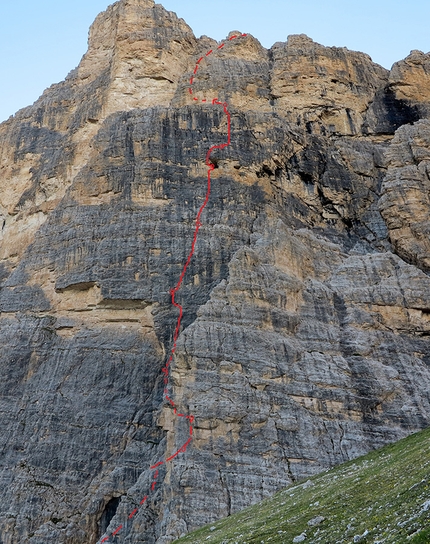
{"x": 305, "y": 338}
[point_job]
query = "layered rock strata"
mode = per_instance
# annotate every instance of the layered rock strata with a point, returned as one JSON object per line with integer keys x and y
{"x": 305, "y": 338}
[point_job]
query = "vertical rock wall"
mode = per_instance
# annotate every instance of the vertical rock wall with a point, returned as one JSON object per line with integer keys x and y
{"x": 305, "y": 336}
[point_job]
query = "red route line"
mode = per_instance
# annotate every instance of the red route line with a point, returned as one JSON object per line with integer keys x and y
{"x": 174, "y": 290}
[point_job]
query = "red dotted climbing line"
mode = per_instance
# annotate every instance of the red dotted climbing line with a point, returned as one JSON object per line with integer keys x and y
{"x": 193, "y": 77}
{"x": 174, "y": 290}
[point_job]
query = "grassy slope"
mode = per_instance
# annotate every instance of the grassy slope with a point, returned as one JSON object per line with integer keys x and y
{"x": 386, "y": 493}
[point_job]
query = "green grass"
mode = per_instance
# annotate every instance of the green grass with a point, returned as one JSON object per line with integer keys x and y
{"x": 384, "y": 496}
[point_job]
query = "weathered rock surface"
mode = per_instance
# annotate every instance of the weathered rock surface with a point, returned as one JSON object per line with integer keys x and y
{"x": 306, "y": 330}
{"x": 405, "y": 200}
{"x": 410, "y": 79}
{"x": 325, "y": 87}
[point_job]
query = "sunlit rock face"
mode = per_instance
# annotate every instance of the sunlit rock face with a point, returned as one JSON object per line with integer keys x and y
{"x": 305, "y": 337}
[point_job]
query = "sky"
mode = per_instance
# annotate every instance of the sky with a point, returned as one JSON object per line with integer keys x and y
{"x": 42, "y": 40}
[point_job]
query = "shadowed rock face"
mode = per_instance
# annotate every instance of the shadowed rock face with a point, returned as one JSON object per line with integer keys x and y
{"x": 305, "y": 338}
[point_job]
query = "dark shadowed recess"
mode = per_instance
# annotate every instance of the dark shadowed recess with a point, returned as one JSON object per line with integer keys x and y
{"x": 108, "y": 514}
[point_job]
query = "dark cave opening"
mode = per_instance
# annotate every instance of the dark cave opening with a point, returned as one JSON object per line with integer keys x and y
{"x": 108, "y": 513}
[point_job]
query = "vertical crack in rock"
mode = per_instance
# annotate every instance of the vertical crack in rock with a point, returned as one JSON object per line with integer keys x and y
{"x": 224, "y": 486}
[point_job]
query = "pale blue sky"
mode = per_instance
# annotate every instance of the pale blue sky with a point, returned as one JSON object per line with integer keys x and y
{"x": 42, "y": 40}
